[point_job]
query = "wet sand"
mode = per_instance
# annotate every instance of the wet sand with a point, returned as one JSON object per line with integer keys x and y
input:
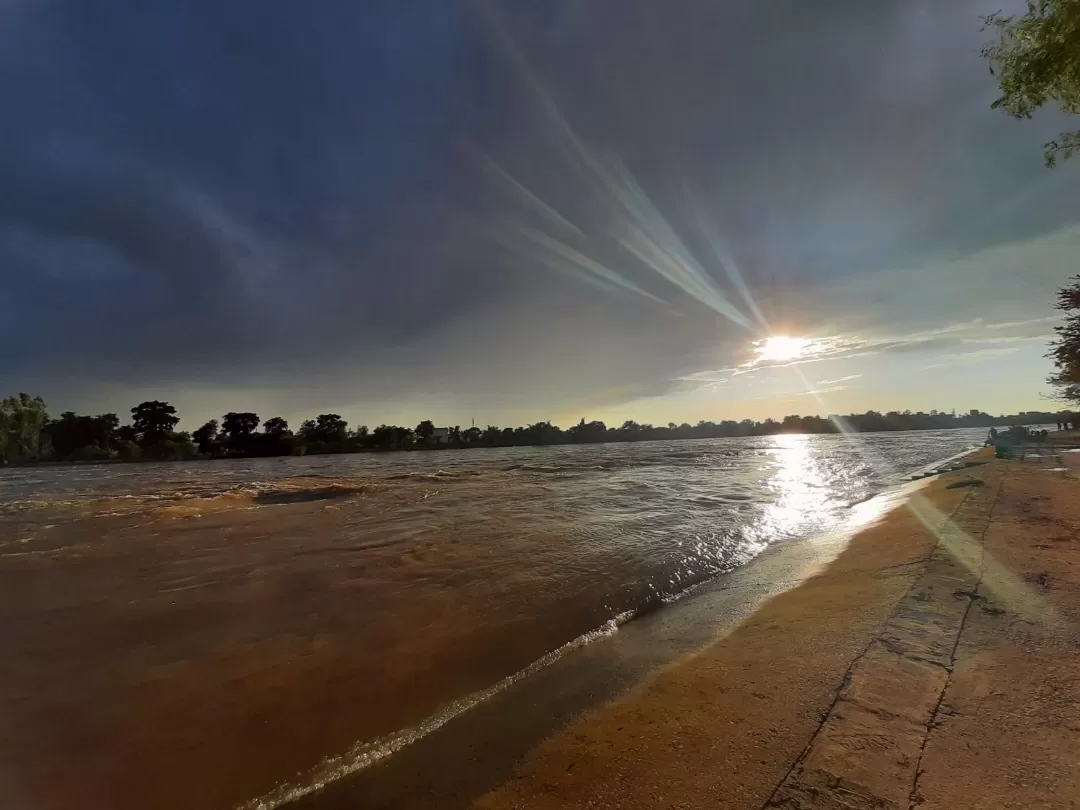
{"x": 935, "y": 663}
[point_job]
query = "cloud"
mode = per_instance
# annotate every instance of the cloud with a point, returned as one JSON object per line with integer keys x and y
{"x": 844, "y": 347}
{"x": 828, "y": 389}
{"x": 840, "y": 380}
{"x": 980, "y": 356}
{"x": 505, "y": 214}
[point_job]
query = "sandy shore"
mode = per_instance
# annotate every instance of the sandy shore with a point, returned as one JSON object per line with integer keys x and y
{"x": 934, "y": 664}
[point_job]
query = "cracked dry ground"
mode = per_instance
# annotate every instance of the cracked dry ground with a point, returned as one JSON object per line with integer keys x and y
{"x": 934, "y": 665}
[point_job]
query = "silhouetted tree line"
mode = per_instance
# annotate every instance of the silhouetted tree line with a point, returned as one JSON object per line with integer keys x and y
{"x": 27, "y": 434}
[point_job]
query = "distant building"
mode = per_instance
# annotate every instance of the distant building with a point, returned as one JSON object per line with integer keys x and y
{"x": 441, "y": 436}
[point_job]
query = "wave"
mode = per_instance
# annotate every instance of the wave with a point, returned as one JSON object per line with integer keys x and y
{"x": 365, "y": 754}
{"x": 438, "y": 475}
{"x": 560, "y": 468}
{"x": 321, "y": 486}
{"x": 655, "y": 459}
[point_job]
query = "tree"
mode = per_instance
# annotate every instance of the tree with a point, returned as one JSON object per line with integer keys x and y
{"x": 276, "y": 428}
{"x": 358, "y": 439}
{"x": 22, "y": 419}
{"x": 174, "y": 447}
{"x": 128, "y": 450}
{"x": 126, "y": 433}
{"x": 153, "y": 421}
{"x": 328, "y": 428}
{"x": 383, "y": 437}
{"x": 90, "y": 437}
{"x": 585, "y": 433}
{"x": 1065, "y": 351}
{"x": 332, "y": 428}
{"x": 537, "y": 434}
{"x": 425, "y": 430}
{"x": 237, "y": 430}
{"x": 206, "y": 437}
{"x": 1037, "y": 61}
{"x": 105, "y": 427}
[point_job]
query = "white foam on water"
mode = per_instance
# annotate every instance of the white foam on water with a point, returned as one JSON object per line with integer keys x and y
{"x": 365, "y": 754}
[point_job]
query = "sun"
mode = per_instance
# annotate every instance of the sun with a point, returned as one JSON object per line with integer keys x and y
{"x": 780, "y": 349}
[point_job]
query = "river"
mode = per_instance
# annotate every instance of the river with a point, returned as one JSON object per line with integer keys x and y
{"x": 203, "y": 634}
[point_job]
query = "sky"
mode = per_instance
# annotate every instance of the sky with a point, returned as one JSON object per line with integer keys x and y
{"x": 516, "y": 211}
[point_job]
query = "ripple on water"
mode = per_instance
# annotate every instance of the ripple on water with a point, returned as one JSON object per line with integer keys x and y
{"x": 426, "y": 578}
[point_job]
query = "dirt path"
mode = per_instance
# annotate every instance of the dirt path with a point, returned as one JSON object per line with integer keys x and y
{"x": 935, "y": 664}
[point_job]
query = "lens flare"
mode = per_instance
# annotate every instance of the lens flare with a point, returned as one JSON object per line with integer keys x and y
{"x": 780, "y": 349}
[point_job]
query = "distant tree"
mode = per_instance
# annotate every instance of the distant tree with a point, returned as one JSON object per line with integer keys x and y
{"x": 403, "y": 437}
{"x": 358, "y": 439}
{"x": 472, "y": 435}
{"x": 128, "y": 450}
{"x": 205, "y": 438}
{"x": 391, "y": 437}
{"x": 276, "y": 427}
{"x": 275, "y": 440}
{"x": 153, "y": 421}
{"x": 1065, "y": 350}
{"x": 90, "y": 452}
{"x": 332, "y": 428}
{"x": 383, "y": 437}
{"x": 328, "y": 430}
{"x": 1037, "y": 61}
{"x": 22, "y": 419}
{"x": 127, "y": 433}
{"x": 238, "y": 430}
{"x": 174, "y": 447}
{"x": 88, "y": 437}
{"x": 5, "y": 433}
{"x": 539, "y": 433}
{"x": 585, "y": 433}
{"x": 424, "y": 431}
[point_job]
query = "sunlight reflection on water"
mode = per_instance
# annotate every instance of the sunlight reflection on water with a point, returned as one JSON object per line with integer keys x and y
{"x": 802, "y": 497}
{"x": 425, "y": 577}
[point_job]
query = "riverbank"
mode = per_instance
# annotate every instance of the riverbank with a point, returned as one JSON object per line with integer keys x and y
{"x": 614, "y": 436}
{"x": 935, "y": 663}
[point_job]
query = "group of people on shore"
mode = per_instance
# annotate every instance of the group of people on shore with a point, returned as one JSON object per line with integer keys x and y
{"x": 1006, "y": 442}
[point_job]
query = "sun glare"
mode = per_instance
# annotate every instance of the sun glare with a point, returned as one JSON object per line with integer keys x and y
{"x": 780, "y": 349}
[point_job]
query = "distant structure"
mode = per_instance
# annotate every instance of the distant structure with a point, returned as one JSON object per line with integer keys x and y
{"x": 441, "y": 436}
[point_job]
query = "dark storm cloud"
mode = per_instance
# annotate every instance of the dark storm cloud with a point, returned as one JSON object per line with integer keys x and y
{"x": 233, "y": 175}
{"x": 522, "y": 204}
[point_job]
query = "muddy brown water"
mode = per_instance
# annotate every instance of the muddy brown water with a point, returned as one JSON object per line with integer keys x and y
{"x": 212, "y": 634}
